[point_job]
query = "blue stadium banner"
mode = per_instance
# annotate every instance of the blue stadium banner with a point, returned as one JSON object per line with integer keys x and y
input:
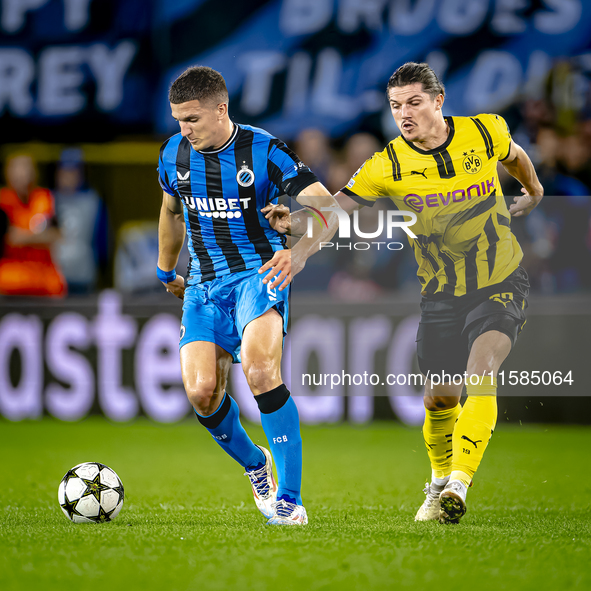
{"x": 97, "y": 69}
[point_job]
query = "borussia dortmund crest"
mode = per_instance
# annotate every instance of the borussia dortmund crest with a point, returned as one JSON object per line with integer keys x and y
{"x": 472, "y": 163}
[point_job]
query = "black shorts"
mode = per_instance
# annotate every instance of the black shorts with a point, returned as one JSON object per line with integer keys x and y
{"x": 450, "y": 325}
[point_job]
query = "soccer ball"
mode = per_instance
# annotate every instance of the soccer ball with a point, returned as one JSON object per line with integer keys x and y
{"x": 90, "y": 492}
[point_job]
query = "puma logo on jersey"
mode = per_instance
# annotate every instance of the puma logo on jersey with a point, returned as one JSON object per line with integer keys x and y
{"x": 421, "y": 173}
{"x": 502, "y": 298}
{"x": 472, "y": 442}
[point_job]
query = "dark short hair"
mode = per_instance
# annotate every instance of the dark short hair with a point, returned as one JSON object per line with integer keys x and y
{"x": 198, "y": 83}
{"x": 411, "y": 72}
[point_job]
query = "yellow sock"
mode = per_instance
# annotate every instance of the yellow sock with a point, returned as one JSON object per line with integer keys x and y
{"x": 474, "y": 429}
{"x": 437, "y": 431}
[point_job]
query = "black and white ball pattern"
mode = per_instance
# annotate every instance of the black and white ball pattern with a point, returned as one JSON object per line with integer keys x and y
{"x": 91, "y": 492}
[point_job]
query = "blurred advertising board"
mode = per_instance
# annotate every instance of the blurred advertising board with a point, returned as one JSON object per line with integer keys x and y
{"x": 118, "y": 356}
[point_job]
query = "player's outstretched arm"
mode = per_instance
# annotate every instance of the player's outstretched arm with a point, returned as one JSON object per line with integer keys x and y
{"x": 518, "y": 165}
{"x": 345, "y": 202}
{"x": 286, "y": 264}
{"x": 171, "y": 235}
{"x": 296, "y": 224}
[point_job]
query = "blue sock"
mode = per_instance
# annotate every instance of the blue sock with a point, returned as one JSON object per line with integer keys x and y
{"x": 281, "y": 423}
{"x": 225, "y": 427}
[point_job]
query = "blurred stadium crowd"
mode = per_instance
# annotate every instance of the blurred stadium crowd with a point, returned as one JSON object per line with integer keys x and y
{"x": 56, "y": 237}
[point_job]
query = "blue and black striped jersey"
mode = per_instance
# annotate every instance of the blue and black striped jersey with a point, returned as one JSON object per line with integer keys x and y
{"x": 223, "y": 191}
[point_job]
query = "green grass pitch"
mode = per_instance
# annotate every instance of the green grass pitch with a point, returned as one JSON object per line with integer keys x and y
{"x": 189, "y": 521}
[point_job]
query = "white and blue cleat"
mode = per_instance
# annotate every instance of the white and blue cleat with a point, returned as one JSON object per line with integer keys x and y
{"x": 264, "y": 487}
{"x": 287, "y": 513}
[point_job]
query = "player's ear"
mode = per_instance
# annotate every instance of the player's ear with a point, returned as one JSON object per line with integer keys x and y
{"x": 222, "y": 110}
{"x": 439, "y": 100}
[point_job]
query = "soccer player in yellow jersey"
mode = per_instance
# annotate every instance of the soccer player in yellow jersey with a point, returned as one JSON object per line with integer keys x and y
{"x": 474, "y": 291}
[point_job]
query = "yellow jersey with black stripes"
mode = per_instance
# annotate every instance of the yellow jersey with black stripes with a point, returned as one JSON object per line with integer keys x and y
{"x": 464, "y": 240}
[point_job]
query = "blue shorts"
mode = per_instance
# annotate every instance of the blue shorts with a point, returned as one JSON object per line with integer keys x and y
{"x": 218, "y": 311}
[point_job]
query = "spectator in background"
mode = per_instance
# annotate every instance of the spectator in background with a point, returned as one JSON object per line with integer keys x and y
{"x": 3, "y": 230}
{"x": 356, "y": 276}
{"x": 357, "y": 150}
{"x": 551, "y": 150}
{"x": 555, "y": 233}
{"x": 313, "y": 147}
{"x": 570, "y": 260}
{"x": 27, "y": 267}
{"x": 575, "y": 159}
{"x": 565, "y": 94}
{"x": 82, "y": 217}
{"x": 535, "y": 113}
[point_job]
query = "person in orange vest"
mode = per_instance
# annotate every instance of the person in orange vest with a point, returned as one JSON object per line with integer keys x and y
{"x": 26, "y": 267}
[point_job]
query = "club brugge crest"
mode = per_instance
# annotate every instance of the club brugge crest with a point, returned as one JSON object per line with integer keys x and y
{"x": 245, "y": 176}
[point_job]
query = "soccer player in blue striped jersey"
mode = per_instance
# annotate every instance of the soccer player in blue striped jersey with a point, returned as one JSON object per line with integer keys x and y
{"x": 220, "y": 180}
